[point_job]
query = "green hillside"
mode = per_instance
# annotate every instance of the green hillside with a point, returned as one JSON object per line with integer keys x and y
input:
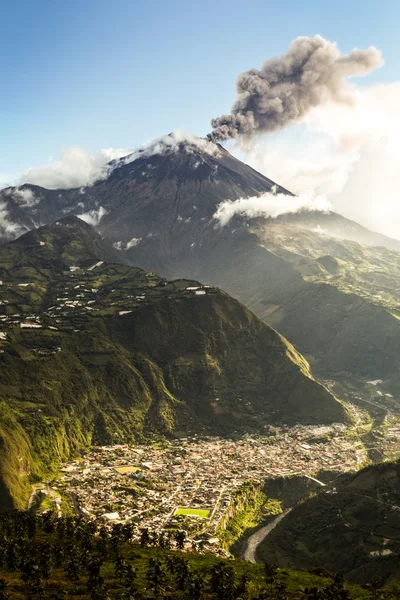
{"x": 45, "y": 557}
{"x": 103, "y": 353}
{"x": 353, "y": 528}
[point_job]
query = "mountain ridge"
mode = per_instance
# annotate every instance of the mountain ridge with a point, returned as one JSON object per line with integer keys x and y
{"x": 359, "y": 517}
{"x": 96, "y": 352}
{"x": 157, "y": 207}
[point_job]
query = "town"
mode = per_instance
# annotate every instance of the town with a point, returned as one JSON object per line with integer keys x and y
{"x": 190, "y": 483}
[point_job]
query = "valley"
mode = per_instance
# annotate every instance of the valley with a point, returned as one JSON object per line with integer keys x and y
{"x": 200, "y": 331}
{"x": 95, "y": 352}
{"x": 194, "y": 471}
{"x": 360, "y": 512}
{"x": 197, "y": 484}
{"x": 326, "y": 283}
{"x": 162, "y": 405}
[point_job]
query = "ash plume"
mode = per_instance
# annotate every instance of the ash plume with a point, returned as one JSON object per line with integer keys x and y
{"x": 286, "y": 88}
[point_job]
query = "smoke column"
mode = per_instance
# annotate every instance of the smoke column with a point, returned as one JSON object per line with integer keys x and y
{"x": 286, "y": 88}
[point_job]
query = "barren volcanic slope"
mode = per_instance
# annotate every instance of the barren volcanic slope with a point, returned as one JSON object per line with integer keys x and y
{"x": 95, "y": 351}
{"x": 337, "y": 301}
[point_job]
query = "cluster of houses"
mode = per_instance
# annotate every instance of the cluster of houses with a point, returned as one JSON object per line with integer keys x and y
{"x": 190, "y": 483}
{"x": 78, "y": 294}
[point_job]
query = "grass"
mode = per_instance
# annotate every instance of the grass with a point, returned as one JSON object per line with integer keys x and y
{"x": 126, "y": 470}
{"x": 156, "y": 371}
{"x": 199, "y": 564}
{"x": 338, "y": 531}
{"x": 249, "y": 509}
{"x": 203, "y": 513}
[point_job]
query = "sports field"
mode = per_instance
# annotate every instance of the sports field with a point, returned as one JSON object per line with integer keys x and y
{"x": 125, "y": 470}
{"x": 204, "y": 513}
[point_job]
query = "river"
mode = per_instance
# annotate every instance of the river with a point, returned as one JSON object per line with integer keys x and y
{"x": 254, "y": 540}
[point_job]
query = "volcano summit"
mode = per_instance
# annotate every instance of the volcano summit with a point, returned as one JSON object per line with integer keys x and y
{"x": 326, "y": 283}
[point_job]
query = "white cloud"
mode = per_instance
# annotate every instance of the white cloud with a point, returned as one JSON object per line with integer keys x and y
{"x": 75, "y": 168}
{"x": 305, "y": 164}
{"x": 132, "y": 243}
{"x": 5, "y": 224}
{"x": 347, "y": 153}
{"x": 25, "y": 197}
{"x": 176, "y": 140}
{"x": 93, "y": 217}
{"x": 371, "y": 194}
{"x": 267, "y": 205}
{"x": 125, "y": 246}
{"x": 5, "y": 180}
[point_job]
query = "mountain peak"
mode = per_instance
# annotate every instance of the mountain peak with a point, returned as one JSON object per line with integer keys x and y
{"x": 39, "y": 253}
{"x": 175, "y": 142}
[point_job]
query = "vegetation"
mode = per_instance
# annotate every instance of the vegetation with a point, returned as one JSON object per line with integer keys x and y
{"x": 351, "y": 528}
{"x": 44, "y": 557}
{"x": 148, "y": 359}
{"x": 342, "y": 303}
{"x": 249, "y": 508}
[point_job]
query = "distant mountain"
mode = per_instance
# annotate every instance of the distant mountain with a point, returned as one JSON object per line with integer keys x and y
{"x": 333, "y": 225}
{"x": 92, "y": 351}
{"x": 306, "y": 273}
{"x": 43, "y": 252}
{"x": 350, "y": 529}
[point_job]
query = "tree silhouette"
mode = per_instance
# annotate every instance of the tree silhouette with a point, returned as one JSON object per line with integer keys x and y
{"x": 374, "y": 586}
{"x": 241, "y": 588}
{"x": 222, "y": 582}
{"x": 194, "y": 586}
{"x": 270, "y": 572}
{"x": 180, "y": 537}
{"x": 155, "y": 575}
{"x": 144, "y": 537}
{"x": 4, "y": 595}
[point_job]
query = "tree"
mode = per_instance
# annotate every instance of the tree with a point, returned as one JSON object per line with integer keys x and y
{"x": 194, "y": 586}
{"x": 374, "y": 586}
{"x": 180, "y": 537}
{"x": 128, "y": 584}
{"x": 4, "y": 595}
{"x": 313, "y": 593}
{"x": 11, "y": 557}
{"x": 270, "y": 572}
{"x": 95, "y": 580}
{"x": 144, "y": 537}
{"x": 222, "y": 582}
{"x": 241, "y": 589}
{"x": 155, "y": 575}
{"x": 45, "y": 560}
{"x": 73, "y": 569}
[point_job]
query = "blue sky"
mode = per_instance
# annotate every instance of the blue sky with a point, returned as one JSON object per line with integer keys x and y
{"x": 96, "y": 73}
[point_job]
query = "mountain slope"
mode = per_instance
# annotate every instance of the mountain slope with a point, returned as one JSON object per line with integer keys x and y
{"x": 336, "y": 300}
{"x": 179, "y": 176}
{"x": 352, "y": 529}
{"x": 338, "y": 227}
{"x": 98, "y": 352}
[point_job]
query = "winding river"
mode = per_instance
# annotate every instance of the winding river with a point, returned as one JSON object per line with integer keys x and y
{"x": 254, "y": 540}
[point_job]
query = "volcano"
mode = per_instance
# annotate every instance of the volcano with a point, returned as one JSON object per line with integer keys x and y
{"x": 326, "y": 283}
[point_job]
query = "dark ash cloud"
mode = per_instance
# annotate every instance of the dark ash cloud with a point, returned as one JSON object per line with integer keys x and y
{"x": 286, "y": 88}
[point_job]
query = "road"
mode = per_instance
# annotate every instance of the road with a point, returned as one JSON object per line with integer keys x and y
{"x": 36, "y": 488}
{"x": 257, "y": 537}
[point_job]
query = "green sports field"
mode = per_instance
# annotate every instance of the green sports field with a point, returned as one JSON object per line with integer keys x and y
{"x": 204, "y": 513}
{"x": 127, "y": 469}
